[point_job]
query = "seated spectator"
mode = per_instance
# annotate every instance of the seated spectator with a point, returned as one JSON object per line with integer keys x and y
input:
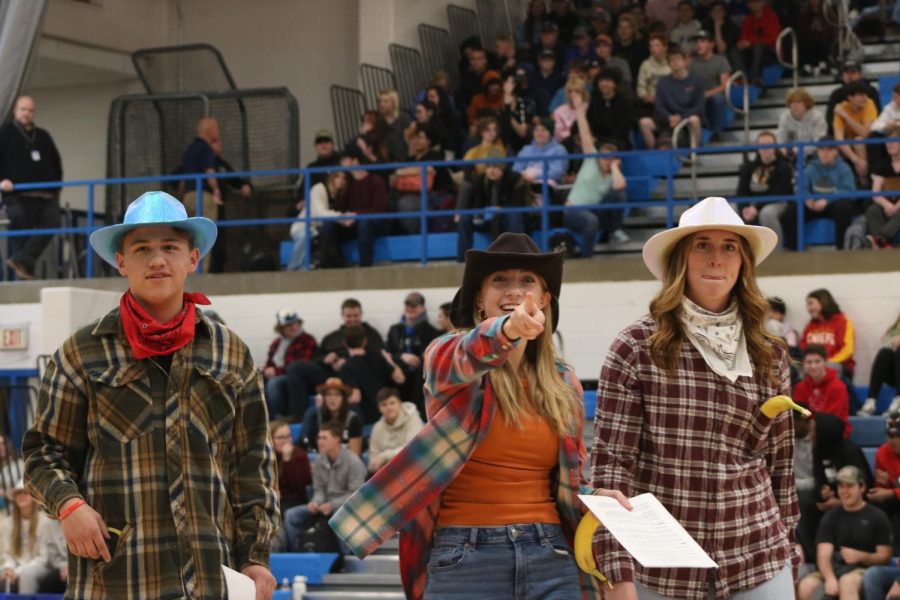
{"x": 490, "y": 146}
{"x": 651, "y": 70}
{"x": 365, "y": 372}
{"x": 800, "y": 122}
{"x": 399, "y": 423}
{"x": 777, "y": 326}
{"x": 564, "y": 115}
{"x": 852, "y": 120}
{"x": 679, "y": 97}
{"x": 759, "y": 31}
{"x": 338, "y": 473}
{"x": 888, "y": 120}
{"x": 851, "y": 73}
{"x": 334, "y": 408}
{"x": 528, "y": 33}
{"x": 406, "y": 343}
{"x": 663, "y": 11}
{"x": 883, "y": 214}
{"x": 804, "y": 477}
{"x": 326, "y": 156}
{"x": 408, "y": 180}
{"x": 600, "y": 21}
{"x": 471, "y": 73}
{"x": 831, "y": 451}
{"x": 724, "y": 31}
{"x": 549, "y": 40}
{"x": 885, "y": 371}
{"x": 446, "y": 116}
{"x": 549, "y": 79}
{"x": 582, "y": 47}
{"x": 424, "y": 116}
{"x": 531, "y": 167}
{"x": 520, "y": 107}
{"x": 714, "y": 70}
{"x": 827, "y": 173}
{"x": 686, "y": 28}
{"x": 498, "y": 187}
{"x": 850, "y": 538}
{"x": 611, "y": 111}
{"x": 199, "y": 157}
{"x": 599, "y": 180}
{"x": 766, "y": 175}
{"x": 444, "y": 324}
{"x": 505, "y": 59}
{"x": 292, "y": 344}
{"x": 397, "y": 122}
{"x": 821, "y": 389}
{"x": 366, "y": 194}
{"x": 628, "y": 45}
{"x": 816, "y": 37}
{"x": 488, "y": 102}
{"x": 563, "y": 15}
{"x": 881, "y": 582}
{"x": 33, "y": 549}
{"x": 322, "y": 196}
{"x": 608, "y": 61}
{"x": 885, "y": 494}
{"x": 832, "y": 329}
{"x": 293, "y": 466}
{"x": 577, "y": 69}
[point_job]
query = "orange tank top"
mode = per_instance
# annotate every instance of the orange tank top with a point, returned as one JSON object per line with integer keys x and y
{"x": 507, "y": 478}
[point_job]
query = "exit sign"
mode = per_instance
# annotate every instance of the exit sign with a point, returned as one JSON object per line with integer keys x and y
{"x": 14, "y": 338}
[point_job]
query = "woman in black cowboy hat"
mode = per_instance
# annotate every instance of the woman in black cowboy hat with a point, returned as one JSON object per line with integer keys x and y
{"x": 486, "y": 494}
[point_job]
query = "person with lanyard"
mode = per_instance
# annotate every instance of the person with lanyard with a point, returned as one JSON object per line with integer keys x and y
{"x": 150, "y": 441}
{"x": 406, "y": 343}
{"x": 679, "y": 415}
{"x": 28, "y": 155}
{"x": 485, "y": 496}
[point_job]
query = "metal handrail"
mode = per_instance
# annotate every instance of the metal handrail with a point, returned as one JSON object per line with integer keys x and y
{"x": 692, "y": 135}
{"x": 794, "y": 65}
{"x": 745, "y": 108}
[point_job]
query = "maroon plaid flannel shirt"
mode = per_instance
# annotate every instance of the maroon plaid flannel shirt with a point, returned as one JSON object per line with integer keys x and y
{"x": 302, "y": 348}
{"x": 701, "y": 445}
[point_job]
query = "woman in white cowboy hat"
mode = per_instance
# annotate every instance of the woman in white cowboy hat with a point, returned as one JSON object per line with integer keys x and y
{"x": 486, "y": 493}
{"x": 678, "y": 415}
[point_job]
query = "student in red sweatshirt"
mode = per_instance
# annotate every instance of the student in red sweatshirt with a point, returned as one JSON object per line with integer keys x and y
{"x": 757, "y": 41}
{"x": 885, "y": 494}
{"x": 829, "y": 327}
{"x": 821, "y": 389}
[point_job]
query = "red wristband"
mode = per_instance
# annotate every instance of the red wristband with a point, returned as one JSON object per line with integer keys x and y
{"x": 75, "y": 505}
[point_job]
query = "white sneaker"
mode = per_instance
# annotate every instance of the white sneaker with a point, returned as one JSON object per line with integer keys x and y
{"x": 620, "y": 237}
{"x": 895, "y": 405}
{"x": 868, "y": 408}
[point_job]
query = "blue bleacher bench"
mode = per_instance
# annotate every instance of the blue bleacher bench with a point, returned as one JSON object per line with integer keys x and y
{"x": 885, "y": 85}
{"x": 867, "y": 431}
{"x": 590, "y": 404}
{"x": 313, "y": 565}
{"x": 819, "y": 232}
{"x": 4, "y": 596}
{"x": 869, "y": 453}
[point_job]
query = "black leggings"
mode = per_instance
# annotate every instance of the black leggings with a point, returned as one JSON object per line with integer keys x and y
{"x": 885, "y": 370}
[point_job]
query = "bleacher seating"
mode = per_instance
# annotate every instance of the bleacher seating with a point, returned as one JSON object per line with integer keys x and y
{"x": 867, "y": 431}
{"x": 313, "y": 565}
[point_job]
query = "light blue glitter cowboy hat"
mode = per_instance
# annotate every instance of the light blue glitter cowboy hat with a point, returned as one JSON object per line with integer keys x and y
{"x": 154, "y": 208}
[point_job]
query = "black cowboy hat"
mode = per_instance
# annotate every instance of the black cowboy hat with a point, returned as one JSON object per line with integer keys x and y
{"x": 508, "y": 251}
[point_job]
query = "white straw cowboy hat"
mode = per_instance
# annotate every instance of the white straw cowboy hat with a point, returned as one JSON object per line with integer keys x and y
{"x": 710, "y": 213}
{"x": 154, "y": 208}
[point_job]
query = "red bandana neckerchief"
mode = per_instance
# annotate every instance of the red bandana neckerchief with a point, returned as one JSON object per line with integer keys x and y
{"x": 147, "y": 337}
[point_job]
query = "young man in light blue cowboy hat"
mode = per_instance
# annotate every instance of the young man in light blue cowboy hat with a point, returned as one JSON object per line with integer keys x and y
{"x": 150, "y": 439}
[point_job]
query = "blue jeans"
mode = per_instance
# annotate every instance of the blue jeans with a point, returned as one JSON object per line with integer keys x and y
{"x": 589, "y": 223}
{"x": 296, "y": 519}
{"x": 715, "y": 113}
{"x": 514, "y": 223}
{"x": 277, "y": 397}
{"x": 878, "y": 580}
{"x": 298, "y": 254}
{"x": 532, "y": 562}
{"x": 364, "y": 231}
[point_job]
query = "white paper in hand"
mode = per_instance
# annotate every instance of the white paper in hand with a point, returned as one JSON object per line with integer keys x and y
{"x": 649, "y": 532}
{"x": 239, "y": 586}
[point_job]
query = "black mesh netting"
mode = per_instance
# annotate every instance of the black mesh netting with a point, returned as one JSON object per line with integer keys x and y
{"x": 191, "y": 68}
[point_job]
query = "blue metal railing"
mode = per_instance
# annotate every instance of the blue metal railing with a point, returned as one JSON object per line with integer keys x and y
{"x": 544, "y": 210}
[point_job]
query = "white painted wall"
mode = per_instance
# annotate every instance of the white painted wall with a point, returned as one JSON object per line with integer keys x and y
{"x": 16, "y": 315}
{"x": 591, "y": 313}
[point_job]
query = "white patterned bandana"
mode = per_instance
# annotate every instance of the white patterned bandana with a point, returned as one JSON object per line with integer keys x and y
{"x": 719, "y": 337}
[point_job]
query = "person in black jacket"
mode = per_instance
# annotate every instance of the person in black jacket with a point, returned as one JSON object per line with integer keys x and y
{"x": 611, "y": 112}
{"x": 851, "y": 72}
{"x": 28, "y": 155}
{"x": 769, "y": 174}
{"x": 499, "y": 186}
{"x": 406, "y": 342}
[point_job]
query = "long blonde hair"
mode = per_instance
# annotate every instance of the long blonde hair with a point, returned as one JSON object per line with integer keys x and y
{"x": 17, "y": 550}
{"x": 665, "y": 308}
{"x": 551, "y": 397}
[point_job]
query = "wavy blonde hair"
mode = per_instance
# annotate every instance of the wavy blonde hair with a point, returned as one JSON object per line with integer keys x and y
{"x": 551, "y": 397}
{"x": 665, "y": 308}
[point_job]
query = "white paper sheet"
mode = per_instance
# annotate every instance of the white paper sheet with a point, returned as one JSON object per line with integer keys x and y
{"x": 649, "y": 532}
{"x": 239, "y": 586}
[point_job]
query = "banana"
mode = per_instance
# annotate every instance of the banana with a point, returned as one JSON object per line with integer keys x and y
{"x": 778, "y": 404}
{"x": 584, "y": 552}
